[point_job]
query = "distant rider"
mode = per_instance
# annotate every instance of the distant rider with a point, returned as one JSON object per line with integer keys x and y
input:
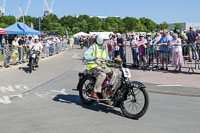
{"x": 36, "y": 46}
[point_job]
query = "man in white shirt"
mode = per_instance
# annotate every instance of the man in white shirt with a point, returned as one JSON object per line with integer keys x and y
{"x": 156, "y": 41}
{"x": 134, "y": 49}
{"x": 37, "y": 46}
{"x": 48, "y": 46}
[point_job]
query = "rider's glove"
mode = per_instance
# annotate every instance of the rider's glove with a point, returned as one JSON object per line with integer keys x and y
{"x": 98, "y": 62}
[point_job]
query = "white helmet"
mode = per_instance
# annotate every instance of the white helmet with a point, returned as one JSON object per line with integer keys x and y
{"x": 101, "y": 38}
{"x": 36, "y": 38}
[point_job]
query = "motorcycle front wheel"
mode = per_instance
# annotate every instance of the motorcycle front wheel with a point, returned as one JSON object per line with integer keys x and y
{"x": 31, "y": 67}
{"x": 135, "y": 103}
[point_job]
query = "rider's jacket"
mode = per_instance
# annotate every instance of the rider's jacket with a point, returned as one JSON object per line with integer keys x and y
{"x": 36, "y": 46}
{"x": 96, "y": 51}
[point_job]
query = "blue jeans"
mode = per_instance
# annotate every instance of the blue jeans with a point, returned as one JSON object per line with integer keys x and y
{"x": 20, "y": 50}
{"x": 122, "y": 52}
{"x": 135, "y": 57}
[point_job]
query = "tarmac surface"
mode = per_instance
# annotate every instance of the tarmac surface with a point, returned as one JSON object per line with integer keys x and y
{"x": 46, "y": 101}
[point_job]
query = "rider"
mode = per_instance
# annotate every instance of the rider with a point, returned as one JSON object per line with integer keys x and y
{"x": 37, "y": 46}
{"x": 95, "y": 55}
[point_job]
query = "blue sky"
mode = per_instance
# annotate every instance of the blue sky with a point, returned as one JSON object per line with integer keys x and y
{"x": 157, "y": 10}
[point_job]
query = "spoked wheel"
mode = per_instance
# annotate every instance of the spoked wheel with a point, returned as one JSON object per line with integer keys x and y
{"x": 135, "y": 103}
{"x": 86, "y": 90}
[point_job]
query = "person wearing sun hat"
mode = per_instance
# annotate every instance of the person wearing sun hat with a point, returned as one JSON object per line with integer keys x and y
{"x": 141, "y": 51}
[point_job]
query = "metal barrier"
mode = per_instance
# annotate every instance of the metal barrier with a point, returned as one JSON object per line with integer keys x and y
{"x": 1, "y": 57}
{"x": 185, "y": 51}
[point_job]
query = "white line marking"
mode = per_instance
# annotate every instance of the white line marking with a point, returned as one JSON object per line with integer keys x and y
{"x": 62, "y": 91}
{"x": 41, "y": 95}
{"x": 76, "y": 56}
{"x": 22, "y": 87}
{"x": 168, "y": 85}
{"x": 4, "y": 89}
{"x": 5, "y": 100}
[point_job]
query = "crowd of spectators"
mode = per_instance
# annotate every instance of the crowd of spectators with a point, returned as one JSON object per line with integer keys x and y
{"x": 17, "y": 47}
{"x": 153, "y": 50}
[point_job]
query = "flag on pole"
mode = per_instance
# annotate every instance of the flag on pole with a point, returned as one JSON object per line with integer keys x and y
{"x": 32, "y": 26}
{"x": 39, "y": 24}
{"x": 66, "y": 33}
{"x": 24, "y": 25}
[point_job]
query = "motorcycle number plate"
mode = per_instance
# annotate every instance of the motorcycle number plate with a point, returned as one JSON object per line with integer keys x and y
{"x": 34, "y": 55}
{"x": 127, "y": 72}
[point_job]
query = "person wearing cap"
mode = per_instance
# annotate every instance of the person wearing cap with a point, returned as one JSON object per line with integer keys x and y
{"x": 192, "y": 37}
{"x": 141, "y": 51}
{"x": 150, "y": 53}
{"x": 164, "y": 49}
{"x": 134, "y": 49}
{"x": 122, "y": 48}
{"x": 156, "y": 41}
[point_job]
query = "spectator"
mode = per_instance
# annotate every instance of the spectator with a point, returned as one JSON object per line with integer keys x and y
{"x": 15, "y": 46}
{"x": 141, "y": 51}
{"x": 156, "y": 41}
{"x": 192, "y": 36}
{"x": 71, "y": 42}
{"x": 164, "y": 49}
{"x": 110, "y": 48}
{"x": 26, "y": 47}
{"x": 20, "y": 49}
{"x": 150, "y": 53}
{"x": 116, "y": 49}
{"x": 122, "y": 48}
{"x": 177, "y": 57}
{"x": 134, "y": 49}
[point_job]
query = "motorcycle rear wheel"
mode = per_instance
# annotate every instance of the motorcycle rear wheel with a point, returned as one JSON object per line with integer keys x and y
{"x": 86, "y": 89}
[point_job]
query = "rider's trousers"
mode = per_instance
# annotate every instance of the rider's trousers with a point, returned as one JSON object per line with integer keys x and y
{"x": 100, "y": 74}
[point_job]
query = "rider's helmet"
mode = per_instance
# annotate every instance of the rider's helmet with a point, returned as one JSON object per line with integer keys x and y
{"x": 101, "y": 38}
{"x": 36, "y": 38}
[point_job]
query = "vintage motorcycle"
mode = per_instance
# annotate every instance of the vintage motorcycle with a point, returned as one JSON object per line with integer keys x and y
{"x": 33, "y": 60}
{"x": 130, "y": 96}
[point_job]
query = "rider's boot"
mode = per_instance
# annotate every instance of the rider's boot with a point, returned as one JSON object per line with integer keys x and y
{"x": 94, "y": 95}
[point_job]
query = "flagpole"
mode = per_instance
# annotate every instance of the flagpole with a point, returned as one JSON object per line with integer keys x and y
{"x": 39, "y": 24}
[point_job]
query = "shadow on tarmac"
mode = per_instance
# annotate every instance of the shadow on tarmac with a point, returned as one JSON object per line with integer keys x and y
{"x": 25, "y": 69}
{"x": 70, "y": 99}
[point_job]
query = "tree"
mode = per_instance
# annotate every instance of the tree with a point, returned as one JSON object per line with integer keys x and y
{"x": 111, "y": 24}
{"x": 178, "y": 26}
{"x": 6, "y": 21}
{"x": 75, "y": 30}
{"x": 148, "y": 24}
{"x": 51, "y": 23}
{"x": 163, "y": 26}
{"x": 94, "y": 24}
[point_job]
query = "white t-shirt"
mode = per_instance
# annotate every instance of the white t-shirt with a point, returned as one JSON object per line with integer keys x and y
{"x": 36, "y": 46}
{"x": 49, "y": 42}
{"x": 133, "y": 42}
{"x": 155, "y": 42}
{"x": 176, "y": 48}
